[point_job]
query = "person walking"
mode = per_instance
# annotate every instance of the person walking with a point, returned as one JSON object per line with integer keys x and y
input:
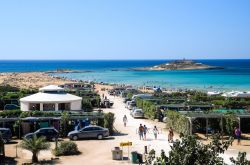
{"x": 170, "y": 135}
{"x": 237, "y": 133}
{"x": 141, "y": 130}
{"x": 145, "y": 130}
{"x": 155, "y": 131}
{"x": 125, "y": 120}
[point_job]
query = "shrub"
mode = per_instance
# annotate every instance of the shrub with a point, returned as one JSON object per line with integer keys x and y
{"x": 64, "y": 124}
{"x": 109, "y": 119}
{"x": 177, "y": 121}
{"x": 10, "y": 113}
{"x": 66, "y": 148}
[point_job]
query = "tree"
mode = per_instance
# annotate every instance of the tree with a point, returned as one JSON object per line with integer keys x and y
{"x": 64, "y": 124}
{"x": 109, "y": 119}
{"x": 241, "y": 159}
{"x": 35, "y": 145}
{"x": 190, "y": 151}
{"x": 231, "y": 122}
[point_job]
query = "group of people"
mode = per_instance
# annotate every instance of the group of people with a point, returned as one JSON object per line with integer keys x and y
{"x": 143, "y": 130}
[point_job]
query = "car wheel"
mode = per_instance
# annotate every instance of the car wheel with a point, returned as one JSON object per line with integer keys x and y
{"x": 100, "y": 137}
{"x": 75, "y": 137}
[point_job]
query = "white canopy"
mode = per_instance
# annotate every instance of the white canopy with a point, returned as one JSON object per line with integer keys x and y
{"x": 51, "y": 88}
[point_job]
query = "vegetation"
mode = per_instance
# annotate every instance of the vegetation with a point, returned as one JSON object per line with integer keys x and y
{"x": 190, "y": 151}
{"x": 177, "y": 121}
{"x": 11, "y": 95}
{"x": 64, "y": 124}
{"x": 231, "y": 122}
{"x": 35, "y": 145}
{"x": 90, "y": 99}
{"x": 241, "y": 159}
{"x": 109, "y": 119}
{"x": 66, "y": 148}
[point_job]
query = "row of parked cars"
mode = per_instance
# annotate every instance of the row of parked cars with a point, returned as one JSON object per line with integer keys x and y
{"x": 51, "y": 134}
{"x": 134, "y": 111}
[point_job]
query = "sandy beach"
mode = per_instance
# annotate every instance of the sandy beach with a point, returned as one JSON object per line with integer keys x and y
{"x": 30, "y": 80}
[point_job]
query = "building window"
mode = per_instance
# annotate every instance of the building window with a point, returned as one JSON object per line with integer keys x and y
{"x": 48, "y": 107}
{"x": 63, "y": 106}
{"x": 34, "y": 106}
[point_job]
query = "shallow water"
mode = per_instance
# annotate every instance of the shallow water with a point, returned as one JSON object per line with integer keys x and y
{"x": 235, "y": 76}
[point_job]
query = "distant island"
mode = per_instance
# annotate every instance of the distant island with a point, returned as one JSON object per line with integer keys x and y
{"x": 180, "y": 65}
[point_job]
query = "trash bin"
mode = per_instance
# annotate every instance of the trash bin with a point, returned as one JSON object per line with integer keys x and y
{"x": 139, "y": 157}
{"x": 117, "y": 154}
{"x": 134, "y": 157}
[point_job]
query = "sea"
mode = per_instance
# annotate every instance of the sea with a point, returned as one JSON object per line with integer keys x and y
{"x": 234, "y": 76}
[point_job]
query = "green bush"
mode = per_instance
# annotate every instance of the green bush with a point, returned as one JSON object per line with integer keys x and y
{"x": 66, "y": 148}
{"x": 86, "y": 105}
{"x": 177, "y": 121}
{"x": 10, "y": 113}
{"x": 109, "y": 119}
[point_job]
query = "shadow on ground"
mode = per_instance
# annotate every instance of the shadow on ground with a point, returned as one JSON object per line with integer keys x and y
{"x": 7, "y": 160}
{"x": 119, "y": 134}
{"x": 11, "y": 142}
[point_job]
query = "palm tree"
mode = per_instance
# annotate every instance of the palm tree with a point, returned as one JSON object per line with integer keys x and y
{"x": 35, "y": 145}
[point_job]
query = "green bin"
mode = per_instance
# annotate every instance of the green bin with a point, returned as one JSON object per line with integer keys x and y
{"x": 134, "y": 157}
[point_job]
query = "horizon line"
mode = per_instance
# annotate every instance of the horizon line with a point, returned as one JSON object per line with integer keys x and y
{"x": 123, "y": 59}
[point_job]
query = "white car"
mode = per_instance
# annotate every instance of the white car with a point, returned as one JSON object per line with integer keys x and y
{"x": 137, "y": 113}
{"x": 130, "y": 105}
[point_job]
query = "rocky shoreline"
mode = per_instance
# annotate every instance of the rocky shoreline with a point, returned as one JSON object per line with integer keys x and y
{"x": 179, "y": 65}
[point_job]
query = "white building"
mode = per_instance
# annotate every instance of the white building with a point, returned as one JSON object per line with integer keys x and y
{"x": 237, "y": 94}
{"x": 51, "y": 98}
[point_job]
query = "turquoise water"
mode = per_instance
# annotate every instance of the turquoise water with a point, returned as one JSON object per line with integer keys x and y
{"x": 171, "y": 79}
{"x": 235, "y": 76}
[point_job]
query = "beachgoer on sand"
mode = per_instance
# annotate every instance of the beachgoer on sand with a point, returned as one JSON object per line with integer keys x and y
{"x": 237, "y": 133}
{"x": 170, "y": 135}
{"x": 141, "y": 130}
{"x": 145, "y": 130}
{"x": 125, "y": 120}
{"x": 155, "y": 131}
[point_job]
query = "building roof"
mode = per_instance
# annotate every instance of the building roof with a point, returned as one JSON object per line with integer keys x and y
{"x": 50, "y": 97}
{"x": 51, "y": 88}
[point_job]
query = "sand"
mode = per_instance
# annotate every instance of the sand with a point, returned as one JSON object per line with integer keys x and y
{"x": 30, "y": 80}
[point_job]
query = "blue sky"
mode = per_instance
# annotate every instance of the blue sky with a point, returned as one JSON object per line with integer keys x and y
{"x": 124, "y": 29}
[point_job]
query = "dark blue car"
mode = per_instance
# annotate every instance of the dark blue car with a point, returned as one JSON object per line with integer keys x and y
{"x": 6, "y": 134}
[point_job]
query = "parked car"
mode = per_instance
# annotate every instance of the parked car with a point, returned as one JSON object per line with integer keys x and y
{"x": 137, "y": 113}
{"x": 106, "y": 103}
{"x": 50, "y": 133}
{"x": 89, "y": 132}
{"x": 6, "y": 134}
{"x": 126, "y": 99}
{"x": 130, "y": 105}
